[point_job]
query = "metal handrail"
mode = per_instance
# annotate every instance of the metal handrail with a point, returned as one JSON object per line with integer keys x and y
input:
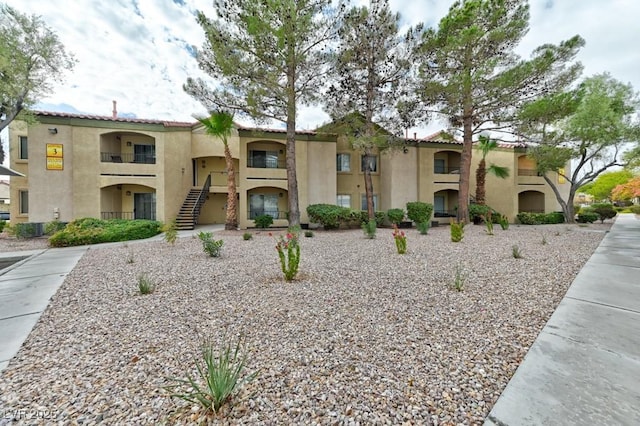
{"x": 195, "y": 212}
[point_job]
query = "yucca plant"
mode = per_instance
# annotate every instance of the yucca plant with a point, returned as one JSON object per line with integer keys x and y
{"x": 515, "y": 252}
{"x": 145, "y": 285}
{"x": 219, "y": 378}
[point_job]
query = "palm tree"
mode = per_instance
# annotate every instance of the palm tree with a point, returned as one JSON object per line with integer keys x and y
{"x": 220, "y": 124}
{"x": 486, "y": 145}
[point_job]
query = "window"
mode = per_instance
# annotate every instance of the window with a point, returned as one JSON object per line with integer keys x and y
{"x": 439, "y": 166}
{"x": 371, "y": 160}
{"x": 145, "y": 154}
{"x": 260, "y": 204}
{"x": 24, "y": 151}
{"x": 23, "y": 201}
{"x": 363, "y": 202}
{"x": 343, "y": 162}
{"x": 343, "y": 200}
{"x": 263, "y": 159}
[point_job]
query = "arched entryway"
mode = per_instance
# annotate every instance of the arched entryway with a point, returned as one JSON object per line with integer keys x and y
{"x": 531, "y": 201}
{"x": 445, "y": 203}
{"x": 128, "y": 201}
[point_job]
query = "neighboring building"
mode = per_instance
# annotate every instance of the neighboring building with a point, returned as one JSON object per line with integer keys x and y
{"x": 5, "y": 199}
{"x": 90, "y": 166}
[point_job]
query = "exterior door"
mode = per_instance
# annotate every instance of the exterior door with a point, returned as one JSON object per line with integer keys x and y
{"x": 144, "y": 205}
{"x": 438, "y": 204}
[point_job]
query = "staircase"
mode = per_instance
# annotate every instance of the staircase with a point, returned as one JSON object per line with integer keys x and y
{"x": 188, "y": 215}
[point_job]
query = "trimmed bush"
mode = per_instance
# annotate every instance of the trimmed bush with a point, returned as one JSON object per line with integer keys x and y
{"x": 328, "y": 215}
{"x": 604, "y": 211}
{"x": 395, "y": 216}
{"x": 263, "y": 221}
{"x": 587, "y": 217}
{"x": 419, "y": 212}
{"x": 527, "y": 218}
{"x": 54, "y": 226}
{"x": 635, "y": 209}
{"x": 95, "y": 231}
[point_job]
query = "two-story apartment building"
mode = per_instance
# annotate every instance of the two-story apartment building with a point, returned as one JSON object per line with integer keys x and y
{"x": 111, "y": 167}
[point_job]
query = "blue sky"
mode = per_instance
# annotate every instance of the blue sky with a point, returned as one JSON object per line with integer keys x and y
{"x": 140, "y": 52}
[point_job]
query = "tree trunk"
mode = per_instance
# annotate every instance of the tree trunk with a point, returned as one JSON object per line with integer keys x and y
{"x": 481, "y": 174}
{"x": 465, "y": 170}
{"x": 231, "y": 222}
{"x": 292, "y": 180}
{"x": 368, "y": 186}
{"x": 567, "y": 206}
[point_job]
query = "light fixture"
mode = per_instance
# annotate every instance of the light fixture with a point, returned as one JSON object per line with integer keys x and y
{"x": 119, "y": 186}
{"x": 183, "y": 170}
{"x": 204, "y": 164}
{"x": 128, "y": 193}
{"x": 53, "y": 130}
{"x": 128, "y": 143}
{"x": 281, "y": 195}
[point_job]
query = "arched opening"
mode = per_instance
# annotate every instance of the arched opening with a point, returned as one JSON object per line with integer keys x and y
{"x": 531, "y": 201}
{"x": 266, "y": 155}
{"x": 128, "y": 201}
{"x": 527, "y": 166}
{"x": 446, "y": 162}
{"x": 267, "y": 200}
{"x": 445, "y": 203}
{"x": 127, "y": 147}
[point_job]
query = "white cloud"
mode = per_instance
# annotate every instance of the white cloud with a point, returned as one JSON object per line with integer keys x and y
{"x": 136, "y": 51}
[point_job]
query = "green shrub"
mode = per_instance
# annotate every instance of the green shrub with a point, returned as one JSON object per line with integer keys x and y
{"x": 247, "y": 236}
{"x": 527, "y": 218}
{"x": 395, "y": 216}
{"x": 210, "y": 246}
{"x": 587, "y": 217}
{"x": 308, "y": 233}
{"x": 3, "y": 223}
{"x": 222, "y": 376}
{"x": 54, "y": 226}
{"x": 423, "y": 227}
{"x": 328, "y": 215}
{"x": 95, "y": 231}
{"x": 576, "y": 208}
{"x": 145, "y": 285}
{"x": 263, "y": 221}
{"x": 369, "y": 229}
{"x": 170, "y": 232}
{"x": 604, "y": 211}
{"x": 479, "y": 212}
{"x": 635, "y": 209}
{"x": 457, "y": 231}
{"x": 23, "y": 230}
{"x": 419, "y": 212}
{"x": 503, "y": 220}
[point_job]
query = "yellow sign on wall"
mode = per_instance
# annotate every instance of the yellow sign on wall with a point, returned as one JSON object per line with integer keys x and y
{"x": 54, "y": 156}
{"x": 54, "y": 163}
{"x": 561, "y": 178}
{"x": 54, "y": 150}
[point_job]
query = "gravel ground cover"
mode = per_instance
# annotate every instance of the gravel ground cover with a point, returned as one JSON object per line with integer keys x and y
{"x": 362, "y": 336}
{"x": 8, "y": 243}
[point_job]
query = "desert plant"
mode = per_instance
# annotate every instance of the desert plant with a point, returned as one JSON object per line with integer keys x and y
{"x": 400, "y": 239}
{"x": 395, "y": 216}
{"x": 635, "y": 209}
{"x": 544, "y": 240}
{"x": 145, "y": 285}
{"x": 222, "y": 373}
{"x": 247, "y": 236}
{"x": 458, "y": 279}
{"x": 503, "y": 220}
{"x": 130, "y": 258}
{"x": 488, "y": 222}
{"x": 288, "y": 249}
{"x": 423, "y": 227}
{"x": 3, "y": 223}
{"x": 308, "y": 234}
{"x": 263, "y": 221}
{"x": 369, "y": 229}
{"x": 419, "y": 212}
{"x": 170, "y": 232}
{"x": 210, "y": 246}
{"x": 515, "y": 252}
{"x": 457, "y": 231}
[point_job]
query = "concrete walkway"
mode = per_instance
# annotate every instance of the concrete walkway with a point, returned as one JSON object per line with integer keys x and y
{"x": 584, "y": 367}
{"x": 27, "y": 286}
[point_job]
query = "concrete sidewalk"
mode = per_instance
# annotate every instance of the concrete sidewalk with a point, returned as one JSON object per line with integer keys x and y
{"x": 584, "y": 367}
{"x": 27, "y": 286}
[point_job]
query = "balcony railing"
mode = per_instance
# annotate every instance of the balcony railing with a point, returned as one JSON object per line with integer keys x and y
{"x": 252, "y": 214}
{"x": 447, "y": 170}
{"x": 528, "y": 172}
{"x": 127, "y": 157}
{"x": 269, "y": 163}
{"x": 116, "y": 215}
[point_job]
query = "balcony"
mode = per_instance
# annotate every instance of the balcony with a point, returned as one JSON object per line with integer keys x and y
{"x": 266, "y": 163}
{"x": 529, "y": 177}
{"x": 127, "y": 157}
{"x": 275, "y": 214}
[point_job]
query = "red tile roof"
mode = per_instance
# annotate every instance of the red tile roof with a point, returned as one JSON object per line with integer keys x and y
{"x": 117, "y": 119}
